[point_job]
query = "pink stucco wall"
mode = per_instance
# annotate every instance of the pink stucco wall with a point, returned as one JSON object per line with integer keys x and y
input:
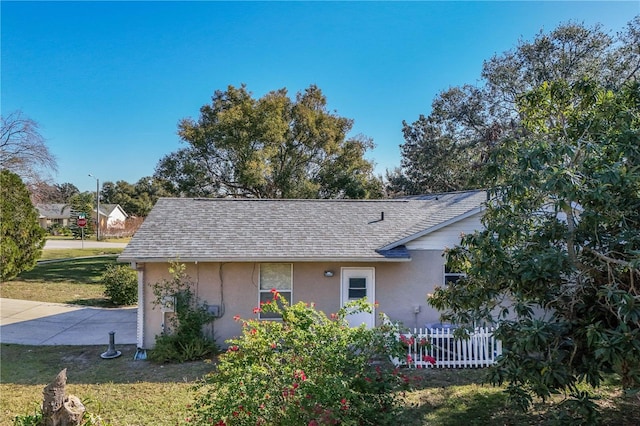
{"x": 399, "y": 288}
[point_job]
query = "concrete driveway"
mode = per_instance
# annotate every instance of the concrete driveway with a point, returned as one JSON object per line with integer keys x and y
{"x": 39, "y": 323}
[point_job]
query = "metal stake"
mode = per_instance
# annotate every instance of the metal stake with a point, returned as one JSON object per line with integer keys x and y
{"x": 111, "y": 350}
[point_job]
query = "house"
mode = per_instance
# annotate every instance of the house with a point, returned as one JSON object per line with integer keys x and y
{"x": 53, "y": 214}
{"x": 322, "y": 251}
{"x": 112, "y": 216}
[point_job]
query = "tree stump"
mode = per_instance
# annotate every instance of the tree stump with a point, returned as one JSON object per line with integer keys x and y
{"x": 58, "y": 409}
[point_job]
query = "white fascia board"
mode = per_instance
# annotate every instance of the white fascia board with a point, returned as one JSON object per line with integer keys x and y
{"x": 433, "y": 228}
{"x": 261, "y": 259}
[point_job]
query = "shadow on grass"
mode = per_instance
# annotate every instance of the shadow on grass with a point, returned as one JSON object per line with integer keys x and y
{"x": 456, "y": 397}
{"x": 79, "y": 271}
{"x": 31, "y": 365}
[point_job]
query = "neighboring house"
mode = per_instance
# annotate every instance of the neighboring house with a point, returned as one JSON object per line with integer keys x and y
{"x": 53, "y": 214}
{"x": 112, "y": 216}
{"x": 322, "y": 251}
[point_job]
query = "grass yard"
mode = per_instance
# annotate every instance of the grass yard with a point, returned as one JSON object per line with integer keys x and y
{"x": 122, "y": 391}
{"x": 74, "y": 281}
{"x": 127, "y": 392}
{"x": 52, "y": 254}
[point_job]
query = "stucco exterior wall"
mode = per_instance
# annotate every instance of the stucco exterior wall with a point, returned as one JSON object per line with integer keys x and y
{"x": 399, "y": 289}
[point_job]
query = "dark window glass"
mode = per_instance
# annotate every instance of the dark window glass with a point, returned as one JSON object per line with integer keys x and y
{"x": 357, "y": 288}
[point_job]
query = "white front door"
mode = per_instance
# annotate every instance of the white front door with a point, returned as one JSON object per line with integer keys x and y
{"x": 356, "y": 284}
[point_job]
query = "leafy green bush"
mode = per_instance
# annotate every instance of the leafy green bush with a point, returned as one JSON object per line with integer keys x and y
{"x": 121, "y": 284}
{"x": 57, "y": 229}
{"x": 307, "y": 369}
{"x": 183, "y": 338}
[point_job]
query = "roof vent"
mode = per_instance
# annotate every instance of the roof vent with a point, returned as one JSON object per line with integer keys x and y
{"x": 378, "y": 220}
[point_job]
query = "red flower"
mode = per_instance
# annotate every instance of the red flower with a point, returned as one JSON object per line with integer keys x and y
{"x": 429, "y": 359}
{"x": 236, "y": 317}
{"x": 221, "y": 423}
{"x": 257, "y": 310}
{"x": 409, "y": 359}
{"x": 343, "y": 403}
{"x": 300, "y": 375}
{"x": 233, "y": 348}
{"x": 253, "y": 331}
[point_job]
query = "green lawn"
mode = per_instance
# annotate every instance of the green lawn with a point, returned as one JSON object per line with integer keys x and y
{"x": 73, "y": 253}
{"x": 122, "y": 391}
{"x": 127, "y": 392}
{"x": 75, "y": 281}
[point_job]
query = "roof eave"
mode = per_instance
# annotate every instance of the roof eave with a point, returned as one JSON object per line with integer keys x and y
{"x": 129, "y": 259}
{"x": 434, "y": 228}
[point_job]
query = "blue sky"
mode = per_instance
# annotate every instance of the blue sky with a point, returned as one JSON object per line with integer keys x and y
{"x": 109, "y": 81}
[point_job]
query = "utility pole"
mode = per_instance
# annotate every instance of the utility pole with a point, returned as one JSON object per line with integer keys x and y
{"x": 97, "y": 206}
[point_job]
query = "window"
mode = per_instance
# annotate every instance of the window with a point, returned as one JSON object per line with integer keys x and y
{"x": 451, "y": 276}
{"x": 357, "y": 288}
{"x": 278, "y": 276}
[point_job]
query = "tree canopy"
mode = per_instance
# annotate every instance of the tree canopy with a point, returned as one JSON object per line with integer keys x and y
{"x": 21, "y": 237}
{"x": 137, "y": 199}
{"x": 23, "y": 150}
{"x": 558, "y": 263}
{"x": 271, "y": 147}
{"x": 448, "y": 149}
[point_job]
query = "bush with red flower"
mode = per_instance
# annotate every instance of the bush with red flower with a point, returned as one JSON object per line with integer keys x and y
{"x": 306, "y": 369}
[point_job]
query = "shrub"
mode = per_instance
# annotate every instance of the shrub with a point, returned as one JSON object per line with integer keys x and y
{"x": 121, "y": 284}
{"x": 308, "y": 369}
{"x": 183, "y": 338}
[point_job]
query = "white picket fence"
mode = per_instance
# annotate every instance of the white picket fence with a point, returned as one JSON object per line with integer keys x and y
{"x": 479, "y": 350}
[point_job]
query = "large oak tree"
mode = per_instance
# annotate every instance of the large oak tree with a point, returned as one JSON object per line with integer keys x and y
{"x": 271, "y": 147}
{"x": 448, "y": 148}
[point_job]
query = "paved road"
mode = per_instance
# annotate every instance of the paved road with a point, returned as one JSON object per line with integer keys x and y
{"x": 76, "y": 244}
{"x": 40, "y": 323}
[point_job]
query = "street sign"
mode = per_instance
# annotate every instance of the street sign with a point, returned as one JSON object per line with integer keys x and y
{"x": 82, "y": 222}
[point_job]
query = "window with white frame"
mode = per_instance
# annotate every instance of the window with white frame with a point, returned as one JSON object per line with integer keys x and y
{"x": 451, "y": 276}
{"x": 278, "y": 276}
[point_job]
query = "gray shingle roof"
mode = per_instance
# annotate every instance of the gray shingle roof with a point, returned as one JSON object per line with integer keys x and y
{"x": 189, "y": 229}
{"x": 54, "y": 210}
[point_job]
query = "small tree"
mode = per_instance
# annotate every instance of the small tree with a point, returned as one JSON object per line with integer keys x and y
{"x": 81, "y": 204}
{"x": 308, "y": 369}
{"x": 21, "y": 237}
{"x": 183, "y": 338}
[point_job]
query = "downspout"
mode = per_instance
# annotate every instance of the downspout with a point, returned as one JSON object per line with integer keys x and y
{"x": 140, "y": 352}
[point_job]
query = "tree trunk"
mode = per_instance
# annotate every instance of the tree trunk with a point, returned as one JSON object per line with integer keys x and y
{"x": 59, "y": 409}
